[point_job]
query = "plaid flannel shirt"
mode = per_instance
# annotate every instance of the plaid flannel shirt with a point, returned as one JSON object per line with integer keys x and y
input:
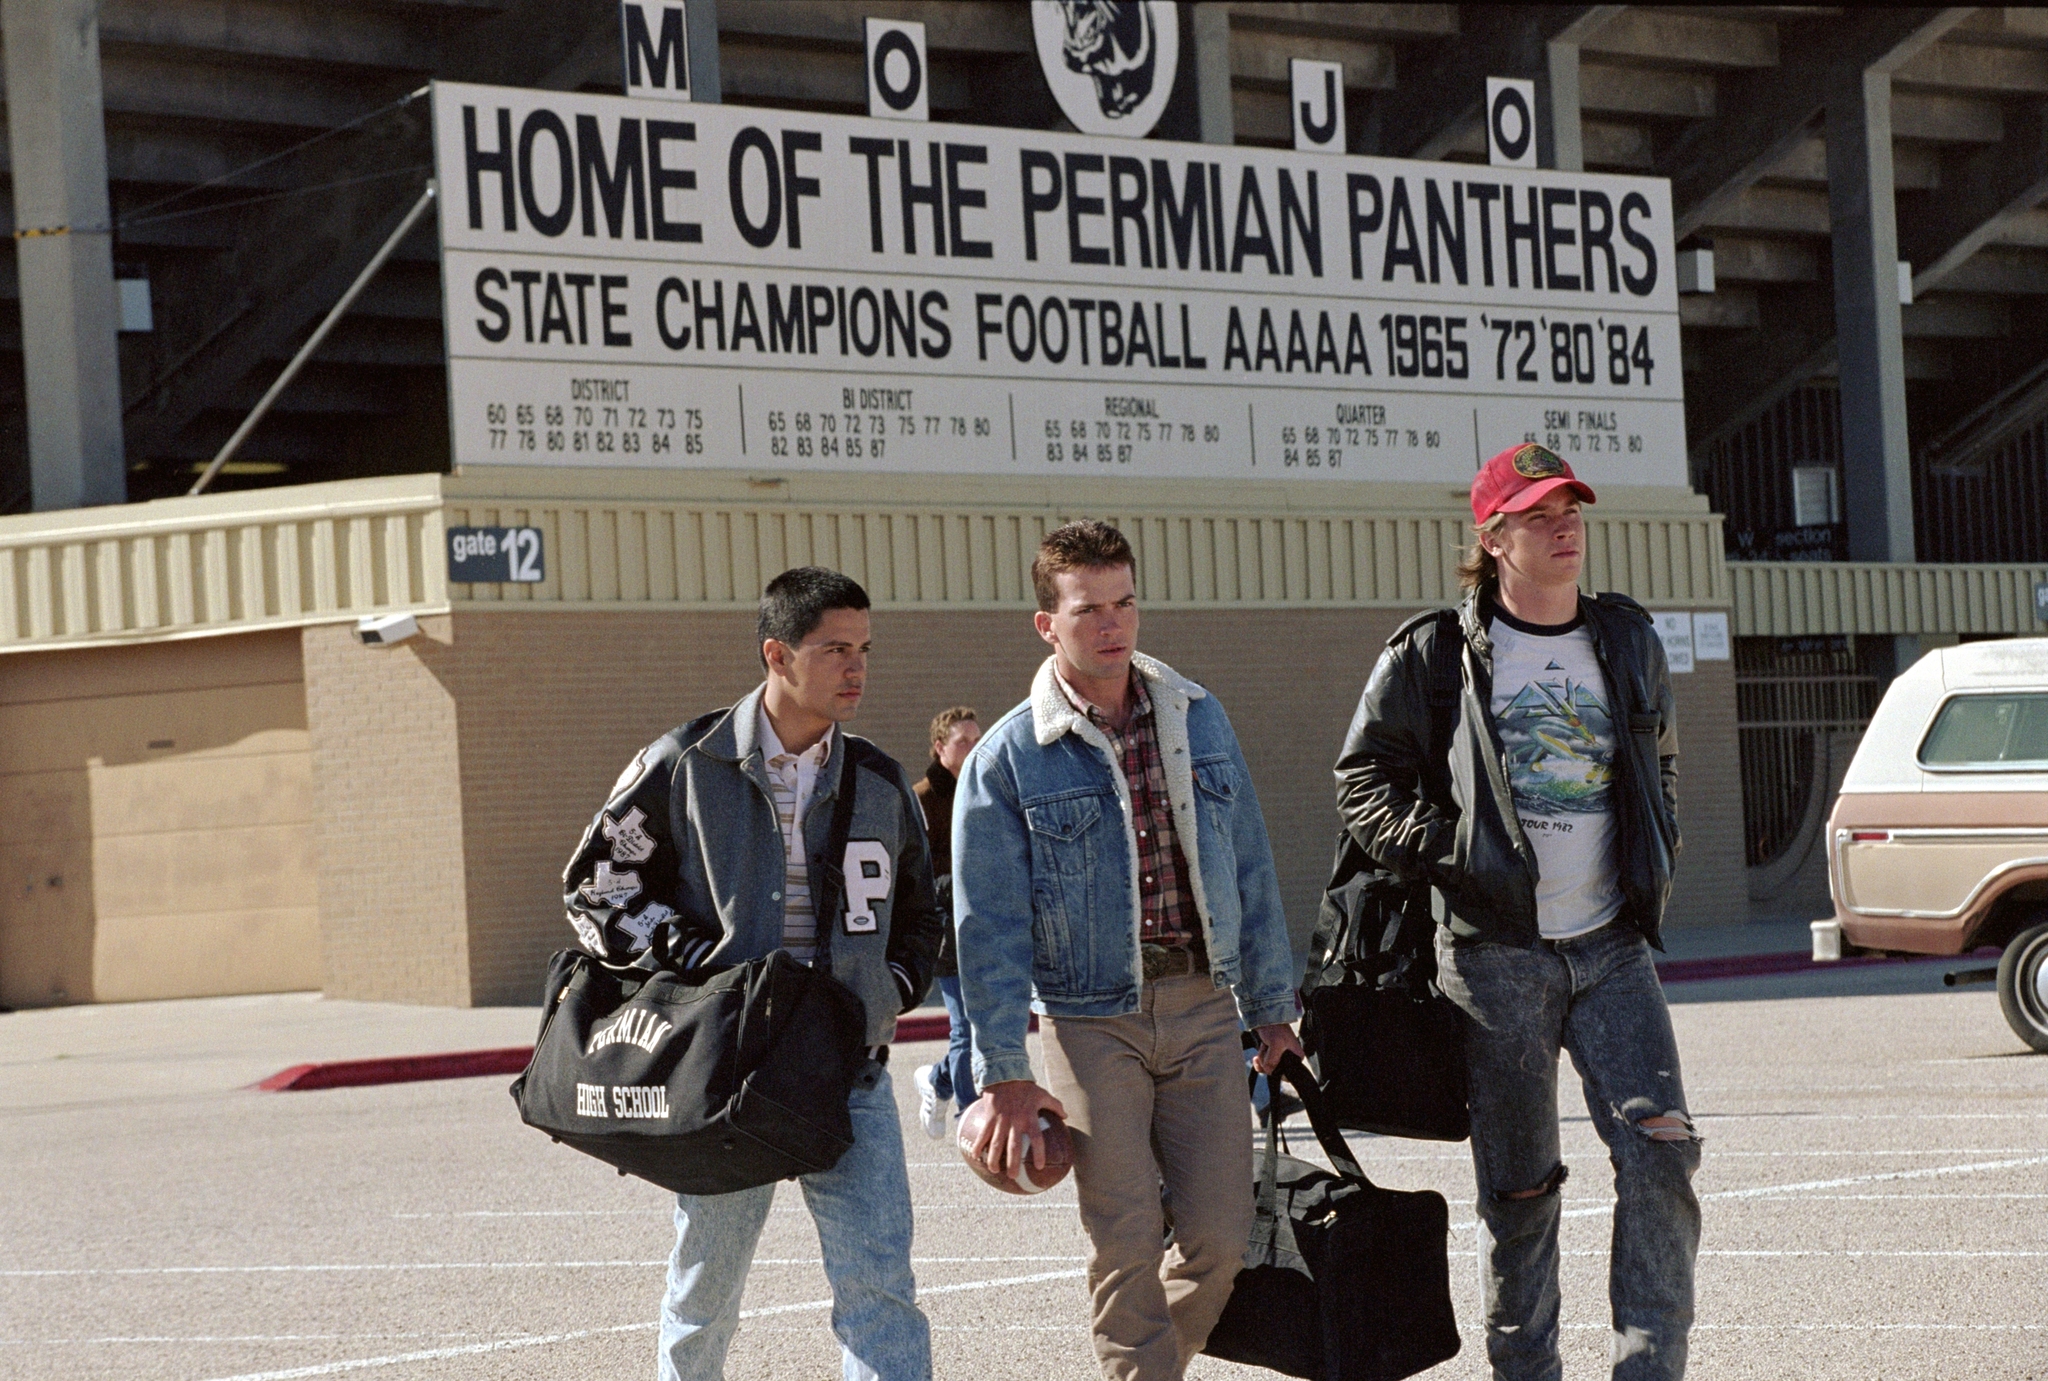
{"x": 1166, "y": 905}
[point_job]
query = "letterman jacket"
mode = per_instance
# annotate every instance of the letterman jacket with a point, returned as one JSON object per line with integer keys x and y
{"x": 689, "y": 839}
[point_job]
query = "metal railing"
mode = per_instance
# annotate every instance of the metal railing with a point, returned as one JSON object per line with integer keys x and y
{"x": 1791, "y": 696}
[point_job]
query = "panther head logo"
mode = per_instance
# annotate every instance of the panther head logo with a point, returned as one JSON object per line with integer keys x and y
{"x": 1114, "y": 43}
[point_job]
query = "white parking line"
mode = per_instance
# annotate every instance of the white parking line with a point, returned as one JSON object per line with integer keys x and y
{"x": 438, "y": 1353}
{"x": 154, "y": 1339}
{"x": 1901, "y": 1252}
{"x": 479, "y": 1266}
{"x": 663, "y": 1210}
{"x": 341, "y": 1266}
{"x": 542, "y": 1340}
{"x": 1786, "y": 1190}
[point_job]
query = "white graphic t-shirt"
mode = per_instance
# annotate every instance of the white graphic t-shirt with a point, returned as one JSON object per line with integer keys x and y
{"x": 1550, "y": 703}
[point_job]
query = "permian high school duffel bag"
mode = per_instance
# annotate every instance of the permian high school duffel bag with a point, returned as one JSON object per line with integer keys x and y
{"x": 702, "y": 1081}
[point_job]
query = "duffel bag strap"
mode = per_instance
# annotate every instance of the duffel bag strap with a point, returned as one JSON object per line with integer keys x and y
{"x": 1332, "y": 1140}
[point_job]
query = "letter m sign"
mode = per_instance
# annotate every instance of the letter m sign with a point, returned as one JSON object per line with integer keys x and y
{"x": 657, "y": 49}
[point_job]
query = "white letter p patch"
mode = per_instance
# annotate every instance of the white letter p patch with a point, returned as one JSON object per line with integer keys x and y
{"x": 869, "y": 873}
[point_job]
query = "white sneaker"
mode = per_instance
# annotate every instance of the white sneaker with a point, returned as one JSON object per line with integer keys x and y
{"x": 932, "y": 1111}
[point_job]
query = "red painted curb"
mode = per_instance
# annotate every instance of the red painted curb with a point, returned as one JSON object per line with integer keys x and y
{"x": 935, "y": 1027}
{"x": 468, "y": 1064}
{"x": 398, "y": 1069}
{"x": 927, "y": 1028}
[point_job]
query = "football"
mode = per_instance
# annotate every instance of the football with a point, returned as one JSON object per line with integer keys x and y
{"x": 1029, "y": 1178}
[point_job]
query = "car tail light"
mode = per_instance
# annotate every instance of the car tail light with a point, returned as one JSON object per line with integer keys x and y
{"x": 1870, "y": 836}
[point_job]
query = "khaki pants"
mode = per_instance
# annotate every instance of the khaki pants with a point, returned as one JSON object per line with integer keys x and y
{"x": 1159, "y": 1094}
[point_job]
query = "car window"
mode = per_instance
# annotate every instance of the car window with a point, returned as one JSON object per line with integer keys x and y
{"x": 1984, "y": 730}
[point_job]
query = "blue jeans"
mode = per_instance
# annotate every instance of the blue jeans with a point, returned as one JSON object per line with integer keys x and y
{"x": 953, "y": 1077}
{"x": 1596, "y": 996}
{"x": 862, "y": 1209}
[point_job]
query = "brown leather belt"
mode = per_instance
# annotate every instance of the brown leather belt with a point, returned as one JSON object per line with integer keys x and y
{"x": 1161, "y": 962}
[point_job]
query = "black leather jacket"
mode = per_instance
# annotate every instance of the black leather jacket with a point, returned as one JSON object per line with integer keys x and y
{"x": 1451, "y": 821}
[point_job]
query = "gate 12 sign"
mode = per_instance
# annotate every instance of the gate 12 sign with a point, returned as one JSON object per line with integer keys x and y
{"x": 713, "y": 286}
{"x": 495, "y": 555}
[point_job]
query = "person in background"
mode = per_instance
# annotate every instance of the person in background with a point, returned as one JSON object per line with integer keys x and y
{"x": 954, "y": 734}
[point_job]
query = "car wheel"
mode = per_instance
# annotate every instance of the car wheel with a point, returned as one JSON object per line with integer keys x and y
{"x": 2023, "y": 985}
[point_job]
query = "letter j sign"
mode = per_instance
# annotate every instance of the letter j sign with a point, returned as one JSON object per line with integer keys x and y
{"x": 495, "y": 555}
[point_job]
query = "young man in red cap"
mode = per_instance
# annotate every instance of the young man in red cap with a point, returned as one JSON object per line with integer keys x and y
{"x": 1548, "y": 822}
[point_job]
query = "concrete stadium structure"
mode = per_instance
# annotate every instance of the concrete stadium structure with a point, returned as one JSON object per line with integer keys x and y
{"x": 207, "y": 785}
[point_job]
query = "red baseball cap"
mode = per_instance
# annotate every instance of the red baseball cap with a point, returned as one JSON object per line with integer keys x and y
{"x": 1519, "y": 478}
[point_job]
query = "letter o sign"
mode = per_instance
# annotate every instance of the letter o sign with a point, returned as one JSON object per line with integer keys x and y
{"x": 1510, "y": 122}
{"x": 897, "y": 89}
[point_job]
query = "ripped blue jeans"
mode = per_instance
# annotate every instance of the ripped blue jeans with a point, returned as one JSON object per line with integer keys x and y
{"x": 1596, "y": 996}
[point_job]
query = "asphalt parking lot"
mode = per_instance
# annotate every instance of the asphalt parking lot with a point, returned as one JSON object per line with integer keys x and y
{"x": 1874, "y": 1179}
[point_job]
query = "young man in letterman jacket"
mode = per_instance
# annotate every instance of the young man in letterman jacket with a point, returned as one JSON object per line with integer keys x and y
{"x": 717, "y": 829}
{"x": 1549, "y": 824}
{"x": 1112, "y": 873}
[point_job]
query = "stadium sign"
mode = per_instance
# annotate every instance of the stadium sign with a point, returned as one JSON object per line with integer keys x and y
{"x": 646, "y": 284}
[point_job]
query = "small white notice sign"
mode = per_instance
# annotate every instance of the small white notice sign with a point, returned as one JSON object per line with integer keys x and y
{"x": 1710, "y": 637}
{"x": 1675, "y": 631}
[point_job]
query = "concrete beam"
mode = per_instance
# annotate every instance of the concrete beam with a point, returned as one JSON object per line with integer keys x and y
{"x": 1350, "y": 21}
{"x": 1696, "y": 39}
{"x": 1794, "y": 341}
{"x": 1915, "y": 167}
{"x": 64, "y": 253}
{"x": 1613, "y": 89}
{"x": 2012, "y": 273}
{"x": 329, "y": 32}
{"x": 1986, "y": 188}
{"x": 1956, "y": 66}
{"x": 1728, "y": 308}
{"x": 156, "y": 86}
{"x": 1762, "y": 115}
{"x": 293, "y": 258}
{"x": 1739, "y": 259}
{"x": 1954, "y": 316}
{"x": 1773, "y": 210}
{"x": 1876, "y": 456}
{"x": 1606, "y": 144}
{"x": 1988, "y": 197}
{"x": 948, "y": 25}
{"x": 1257, "y": 55}
{"x": 1941, "y": 119}
{"x": 1434, "y": 107}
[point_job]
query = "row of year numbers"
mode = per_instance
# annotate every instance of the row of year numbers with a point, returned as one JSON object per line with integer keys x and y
{"x": 590, "y": 415}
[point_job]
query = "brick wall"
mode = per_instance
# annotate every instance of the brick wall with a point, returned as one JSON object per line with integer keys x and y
{"x": 548, "y": 707}
{"x": 388, "y": 813}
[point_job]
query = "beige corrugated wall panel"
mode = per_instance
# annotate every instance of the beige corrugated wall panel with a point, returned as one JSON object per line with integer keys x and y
{"x": 1792, "y": 599}
{"x": 616, "y": 553}
{"x": 221, "y": 563}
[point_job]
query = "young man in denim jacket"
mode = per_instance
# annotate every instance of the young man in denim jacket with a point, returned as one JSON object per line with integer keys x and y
{"x": 1112, "y": 874}
{"x": 718, "y": 830}
{"x": 1549, "y": 824}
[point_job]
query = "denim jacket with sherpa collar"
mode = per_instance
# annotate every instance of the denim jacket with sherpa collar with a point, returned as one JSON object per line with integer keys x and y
{"x": 1045, "y": 867}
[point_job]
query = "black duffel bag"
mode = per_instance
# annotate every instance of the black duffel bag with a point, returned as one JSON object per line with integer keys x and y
{"x": 704, "y": 1081}
{"x": 1344, "y": 1280}
{"x": 1387, "y": 1046}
